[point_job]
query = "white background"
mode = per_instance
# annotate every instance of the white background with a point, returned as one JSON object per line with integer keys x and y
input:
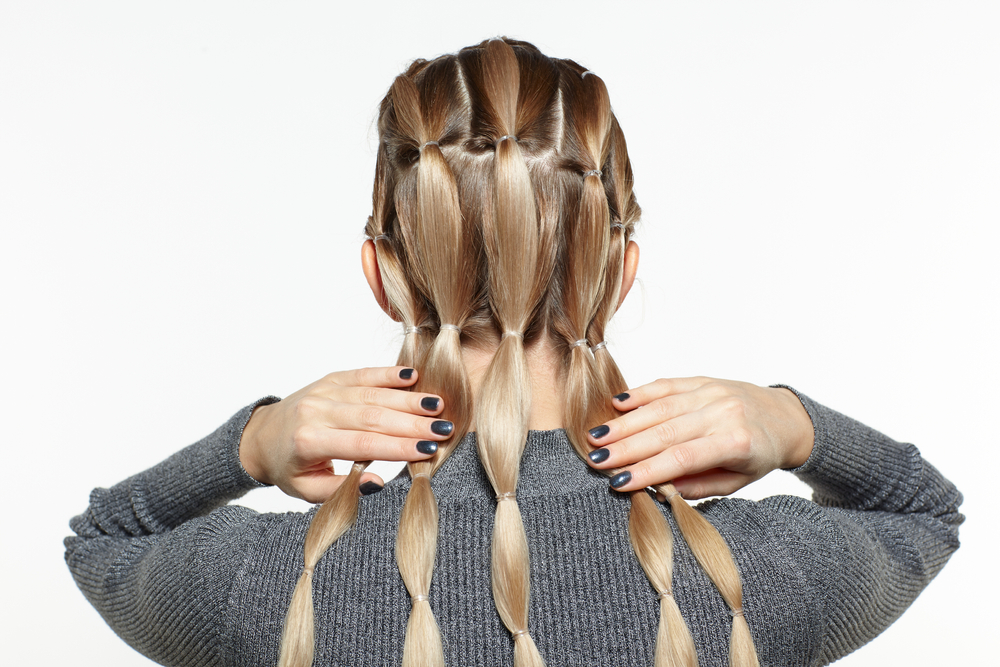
{"x": 183, "y": 188}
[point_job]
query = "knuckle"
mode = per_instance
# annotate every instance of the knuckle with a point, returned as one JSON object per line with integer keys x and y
{"x": 660, "y": 408}
{"x": 642, "y": 473}
{"x": 665, "y": 432}
{"x": 733, "y": 405}
{"x": 303, "y": 439}
{"x": 741, "y": 442}
{"x": 365, "y": 446}
{"x": 684, "y": 459}
{"x": 662, "y": 384}
{"x": 369, "y": 396}
{"x": 307, "y": 408}
{"x": 370, "y": 417}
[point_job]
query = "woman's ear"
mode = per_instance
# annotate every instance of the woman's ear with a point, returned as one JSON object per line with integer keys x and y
{"x": 369, "y": 264}
{"x": 629, "y": 267}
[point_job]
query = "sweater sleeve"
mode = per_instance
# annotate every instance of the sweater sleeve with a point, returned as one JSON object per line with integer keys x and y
{"x": 124, "y": 563}
{"x": 886, "y": 523}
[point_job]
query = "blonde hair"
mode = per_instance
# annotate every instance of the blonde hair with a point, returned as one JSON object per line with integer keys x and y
{"x": 502, "y": 207}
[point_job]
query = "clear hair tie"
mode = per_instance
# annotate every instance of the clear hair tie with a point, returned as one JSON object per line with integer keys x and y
{"x": 381, "y": 237}
{"x": 411, "y": 330}
{"x": 429, "y": 143}
{"x": 673, "y": 495}
{"x": 584, "y": 75}
{"x": 513, "y": 333}
{"x": 582, "y": 341}
{"x": 419, "y": 598}
{"x": 618, "y": 225}
{"x": 593, "y": 172}
{"x": 600, "y": 346}
{"x": 451, "y": 327}
{"x": 736, "y": 612}
{"x": 420, "y": 474}
{"x": 518, "y": 633}
{"x": 308, "y": 571}
{"x": 506, "y": 136}
{"x": 505, "y": 496}
{"x": 665, "y": 594}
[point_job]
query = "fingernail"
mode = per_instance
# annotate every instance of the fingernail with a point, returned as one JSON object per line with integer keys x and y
{"x": 441, "y": 427}
{"x": 599, "y": 432}
{"x": 600, "y": 455}
{"x": 622, "y": 396}
{"x": 430, "y": 403}
{"x": 621, "y": 479}
{"x": 406, "y": 373}
{"x": 427, "y": 446}
{"x": 369, "y": 488}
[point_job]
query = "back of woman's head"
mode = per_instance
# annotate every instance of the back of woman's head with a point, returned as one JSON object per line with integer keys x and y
{"x": 502, "y": 207}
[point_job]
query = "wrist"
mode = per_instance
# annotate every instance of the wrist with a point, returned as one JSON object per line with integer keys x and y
{"x": 801, "y": 434}
{"x": 250, "y": 449}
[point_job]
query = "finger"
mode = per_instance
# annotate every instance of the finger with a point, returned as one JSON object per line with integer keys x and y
{"x": 323, "y": 444}
{"x": 716, "y": 482}
{"x": 647, "y": 393}
{"x": 374, "y": 418}
{"x": 318, "y": 486}
{"x": 687, "y": 459}
{"x": 379, "y": 376}
{"x": 649, "y": 442}
{"x": 660, "y": 411}
{"x": 370, "y": 483}
{"x": 394, "y": 399}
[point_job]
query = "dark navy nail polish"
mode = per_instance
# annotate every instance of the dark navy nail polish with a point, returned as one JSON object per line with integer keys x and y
{"x": 621, "y": 479}
{"x": 600, "y": 455}
{"x": 427, "y": 446}
{"x": 441, "y": 427}
{"x": 599, "y": 432}
{"x": 369, "y": 488}
{"x": 406, "y": 373}
{"x": 622, "y": 396}
{"x": 430, "y": 403}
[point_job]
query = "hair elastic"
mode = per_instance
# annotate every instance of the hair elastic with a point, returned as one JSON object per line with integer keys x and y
{"x": 582, "y": 341}
{"x": 513, "y": 333}
{"x": 411, "y": 330}
{"x": 674, "y": 494}
{"x": 518, "y": 633}
{"x": 451, "y": 327}
{"x": 603, "y": 345}
{"x": 308, "y": 571}
{"x": 584, "y": 75}
{"x": 665, "y": 594}
{"x": 617, "y": 225}
{"x": 505, "y": 496}
{"x": 419, "y": 598}
{"x": 736, "y": 612}
{"x": 506, "y": 136}
{"x": 381, "y": 237}
{"x": 429, "y": 143}
{"x": 593, "y": 172}
{"x": 419, "y": 474}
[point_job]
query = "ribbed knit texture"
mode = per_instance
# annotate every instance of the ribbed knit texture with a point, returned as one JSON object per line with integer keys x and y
{"x": 189, "y": 581}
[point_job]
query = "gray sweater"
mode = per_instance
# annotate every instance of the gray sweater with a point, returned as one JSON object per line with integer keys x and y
{"x": 188, "y": 580}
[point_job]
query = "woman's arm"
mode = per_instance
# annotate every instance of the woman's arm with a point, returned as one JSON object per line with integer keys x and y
{"x": 158, "y": 563}
{"x": 155, "y": 571}
{"x": 882, "y": 524}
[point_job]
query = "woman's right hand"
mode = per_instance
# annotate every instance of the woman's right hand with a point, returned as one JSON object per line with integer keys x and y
{"x": 357, "y": 415}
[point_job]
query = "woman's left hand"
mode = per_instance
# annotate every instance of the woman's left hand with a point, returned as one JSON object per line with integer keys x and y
{"x": 709, "y": 437}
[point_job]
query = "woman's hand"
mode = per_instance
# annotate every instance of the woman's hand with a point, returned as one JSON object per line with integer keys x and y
{"x": 358, "y": 415}
{"x": 709, "y": 437}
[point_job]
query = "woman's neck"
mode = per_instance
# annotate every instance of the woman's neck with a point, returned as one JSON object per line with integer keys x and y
{"x": 547, "y": 381}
